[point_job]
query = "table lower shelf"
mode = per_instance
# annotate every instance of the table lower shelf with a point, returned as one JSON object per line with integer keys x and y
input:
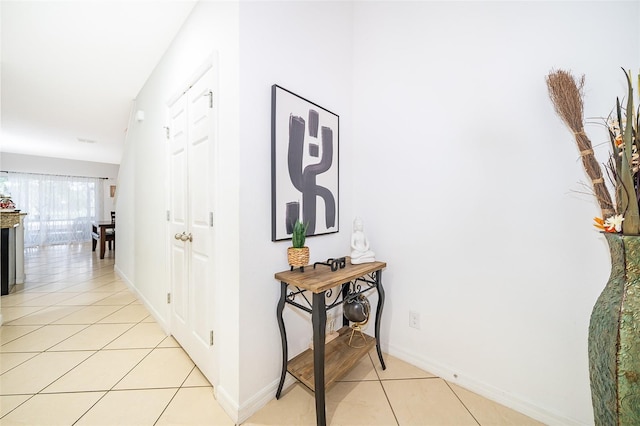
{"x": 339, "y": 357}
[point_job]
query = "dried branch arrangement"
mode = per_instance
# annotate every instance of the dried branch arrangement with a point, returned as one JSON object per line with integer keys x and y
{"x": 567, "y": 96}
{"x": 566, "y": 93}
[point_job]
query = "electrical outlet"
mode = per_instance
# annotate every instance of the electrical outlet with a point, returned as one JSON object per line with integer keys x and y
{"x": 414, "y": 320}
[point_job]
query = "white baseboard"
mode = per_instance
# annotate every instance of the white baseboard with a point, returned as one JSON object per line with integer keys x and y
{"x": 228, "y": 404}
{"x": 262, "y": 398}
{"x": 155, "y": 314}
{"x": 481, "y": 388}
{"x": 1, "y": 321}
{"x": 119, "y": 273}
{"x": 240, "y": 414}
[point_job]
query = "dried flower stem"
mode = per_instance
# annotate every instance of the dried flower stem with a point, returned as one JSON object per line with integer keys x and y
{"x": 629, "y": 205}
{"x": 567, "y": 97}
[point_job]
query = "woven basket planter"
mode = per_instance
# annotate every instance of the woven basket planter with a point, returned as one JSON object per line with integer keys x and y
{"x": 298, "y": 256}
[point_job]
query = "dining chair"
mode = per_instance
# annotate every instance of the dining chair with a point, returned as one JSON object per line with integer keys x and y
{"x": 110, "y": 235}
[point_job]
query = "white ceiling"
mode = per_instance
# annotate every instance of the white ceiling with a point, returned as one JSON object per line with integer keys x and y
{"x": 71, "y": 69}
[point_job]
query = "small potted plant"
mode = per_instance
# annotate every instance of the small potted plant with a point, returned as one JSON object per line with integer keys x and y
{"x": 298, "y": 253}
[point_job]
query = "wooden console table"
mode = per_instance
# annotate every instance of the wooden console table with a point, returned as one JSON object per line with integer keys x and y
{"x": 318, "y": 369}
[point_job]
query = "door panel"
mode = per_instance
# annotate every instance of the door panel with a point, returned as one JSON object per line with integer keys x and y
{"x": 179, "y": 275}
{"x": 199, "y": 192}
{"x": 191, "y": 160}
{"x": 200, "y": 274}
{"x": 178, "y": 202}
{"x": 200, "y": 160}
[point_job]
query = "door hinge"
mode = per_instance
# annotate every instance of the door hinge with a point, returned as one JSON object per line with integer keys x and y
{"x": 211, "y": 338}
{"x": 210, "y": 95}
{"x": 166, "y": 129}
{"x": 168, "y": 298}
{"x": 168, "y": 215}
{"x": 211, "y": 219}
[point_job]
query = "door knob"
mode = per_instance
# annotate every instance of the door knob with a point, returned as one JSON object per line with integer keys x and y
{"x": 184, "y": 236}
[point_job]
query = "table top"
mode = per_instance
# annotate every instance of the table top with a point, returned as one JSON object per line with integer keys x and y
{"x": 104, "y": 224}
{"x": 322, "y": 278}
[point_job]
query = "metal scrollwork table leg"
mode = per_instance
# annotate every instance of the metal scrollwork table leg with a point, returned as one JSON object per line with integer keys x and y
{"x": 379, "y": 316}
{"x": 283, "y": 336}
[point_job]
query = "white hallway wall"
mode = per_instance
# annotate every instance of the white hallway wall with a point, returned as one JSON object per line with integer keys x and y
{"x": 239, "y": 334}
{"x": 246, "y": 292}
{"x": 474, "y": 208}
{"x": 305, "y": 47}
{"x": 211, "y": 28}
{"x": 479, "y": 211}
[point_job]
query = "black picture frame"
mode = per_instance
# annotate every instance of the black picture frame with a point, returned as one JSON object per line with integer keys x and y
{"x": 305, "y": 178}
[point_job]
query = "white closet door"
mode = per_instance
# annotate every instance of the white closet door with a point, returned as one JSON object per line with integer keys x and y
{"x": 192, "y": 138}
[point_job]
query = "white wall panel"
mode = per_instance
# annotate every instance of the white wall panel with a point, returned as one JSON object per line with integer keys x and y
{"x": 480, "y": 211}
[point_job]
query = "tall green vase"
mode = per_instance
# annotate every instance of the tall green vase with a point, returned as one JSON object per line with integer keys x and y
{"x": 614, "y": 338}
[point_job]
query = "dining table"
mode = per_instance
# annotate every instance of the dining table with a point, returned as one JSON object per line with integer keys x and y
{"x": 99, "y": 234}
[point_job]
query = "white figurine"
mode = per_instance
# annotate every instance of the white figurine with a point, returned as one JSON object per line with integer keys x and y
{"x": 360, "y": 252}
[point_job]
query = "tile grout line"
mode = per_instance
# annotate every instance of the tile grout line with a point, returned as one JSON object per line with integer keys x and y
{"x": 78, "y": 350}
{"x": 19, "y": 405}
{"x": 61, "y": 284}
{"x": 461, "y": 402}
{"x": 31, "y": 313}
{"x": 90, "y": 408}
{"x": 65, "y": 339}
{"x": 384, "y": 390}
{"x": 115, "y": 384}
{"x": 108, "y": 391}
{"x": 39, "y": 285}
{"x": 174, "y": 395}
{"x": 79, "y": 331}
{"x": 55, "y": 380}
{"x": 26, "y": 334}
{"x": 142, "y": 359}
{"x": 141, "y": 389}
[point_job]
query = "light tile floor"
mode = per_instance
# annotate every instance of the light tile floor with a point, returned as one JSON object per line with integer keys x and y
{"x": 77, "y": 348}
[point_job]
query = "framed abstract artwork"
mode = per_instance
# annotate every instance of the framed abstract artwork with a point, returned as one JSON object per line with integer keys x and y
{"x": 304, "y": 165}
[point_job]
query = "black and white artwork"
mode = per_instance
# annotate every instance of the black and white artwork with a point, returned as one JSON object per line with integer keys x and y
{"x": 304, "y": 165}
